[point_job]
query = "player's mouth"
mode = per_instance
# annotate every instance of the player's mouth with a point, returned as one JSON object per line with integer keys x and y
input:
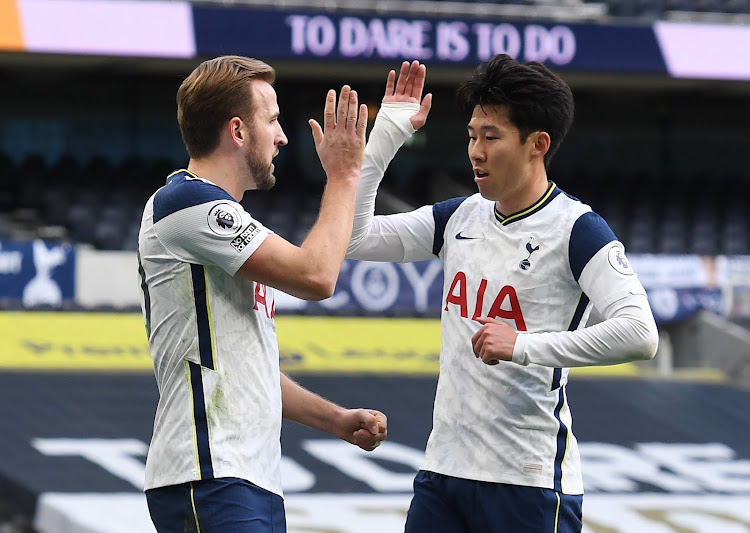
{"x": 479, "y": 175}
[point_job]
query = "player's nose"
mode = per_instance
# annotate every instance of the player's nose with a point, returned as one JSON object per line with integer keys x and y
{"x": 281, "y": 137}
{"x": 476, "y": 153}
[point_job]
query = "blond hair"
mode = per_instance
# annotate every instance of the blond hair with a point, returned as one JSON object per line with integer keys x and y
{"x": 217, "y": 90}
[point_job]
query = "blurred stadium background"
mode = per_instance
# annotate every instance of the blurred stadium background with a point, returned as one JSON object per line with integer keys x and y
{"x": 659, "y": 148}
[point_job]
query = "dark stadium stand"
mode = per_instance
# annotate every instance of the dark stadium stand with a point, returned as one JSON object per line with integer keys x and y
{"x": 100, "y": 205}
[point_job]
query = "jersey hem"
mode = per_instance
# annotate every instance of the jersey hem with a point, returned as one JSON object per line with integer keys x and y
{"x": 509, "y": 480}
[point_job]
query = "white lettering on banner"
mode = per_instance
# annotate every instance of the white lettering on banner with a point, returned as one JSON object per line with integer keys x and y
{"x": 417, "y": 44}
{"x": 500, "y": 39}
{"x": 121, "y": 458}
{"x": 388, "y": 39}
{"x": 452, "y": 44}
{"x": 613, "y": 468}
{"x": 297, "y": 23}
{"x": 392, "y": 38}
{"x": 375, "y": 285}
{"x": 713, "y": 465}
{"x": 421, "y": 282}
{"x": 320, "y": 35}
{"x": 295, "y": 477}
{"x": 535, "y": 38}
{"x": 562, "y": 45}
{"x": 380, "y": 43}
{"x": 557, "y": 45}
{"x": 10, "y": 262}
{"x": 608, "y": 468}
{"x": 710, "y": 467}
{"x": 116, "y": 456}
{"x": 361, "y": 465}
{"x": 353, "y": 37}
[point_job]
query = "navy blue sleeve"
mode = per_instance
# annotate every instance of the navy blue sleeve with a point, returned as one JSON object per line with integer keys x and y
{"x": 181, "y": 193}
{"x": 442, "y": 212}
{"x": 590, "y": 232}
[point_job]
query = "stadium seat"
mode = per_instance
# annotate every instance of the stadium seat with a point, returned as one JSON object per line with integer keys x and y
{"x": 109, "y": 235}
{"x": 82, "y": 220}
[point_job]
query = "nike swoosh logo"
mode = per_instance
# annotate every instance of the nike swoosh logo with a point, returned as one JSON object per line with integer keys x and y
{"x": 461, "y": 237}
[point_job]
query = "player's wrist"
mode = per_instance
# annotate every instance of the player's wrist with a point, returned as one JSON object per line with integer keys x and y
{"x": 399, "y": 115}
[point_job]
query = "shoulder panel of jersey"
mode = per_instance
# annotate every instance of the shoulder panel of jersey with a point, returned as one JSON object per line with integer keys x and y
{"x": 589, "y": 234}
{"x": 184, "y": 190}
{"x": 442, "y": 212}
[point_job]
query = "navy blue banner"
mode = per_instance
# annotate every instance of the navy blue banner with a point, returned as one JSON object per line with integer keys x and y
{"x": 366, "y": 287}
{"x": 326, "y": 36}
{"x": 37, "y": 273}
{"x": 673, "y": 305}
{"x": 416, "y": 289}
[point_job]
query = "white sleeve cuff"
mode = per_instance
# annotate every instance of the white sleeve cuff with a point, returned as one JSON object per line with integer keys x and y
{"x": 519, "y": 356}
{"x": 399, "y": 114}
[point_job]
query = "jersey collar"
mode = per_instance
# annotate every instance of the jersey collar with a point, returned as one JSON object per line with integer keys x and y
{"x": 552, "y": 191}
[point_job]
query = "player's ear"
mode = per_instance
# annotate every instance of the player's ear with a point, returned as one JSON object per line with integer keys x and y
{"x": 237, "y": 131}
{"x": 541, "y": 143}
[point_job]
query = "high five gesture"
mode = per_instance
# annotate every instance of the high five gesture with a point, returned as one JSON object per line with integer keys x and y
{"x": 409, "y": 89}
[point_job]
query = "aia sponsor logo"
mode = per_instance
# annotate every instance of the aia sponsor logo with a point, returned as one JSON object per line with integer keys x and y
{"x": 505, "y": 303}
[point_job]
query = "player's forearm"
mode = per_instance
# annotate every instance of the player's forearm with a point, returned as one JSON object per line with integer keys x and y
{"x": 305, "y": 407}
{"x": 326, "y": 244}
{"x": 392, "y": 127}
{"x": 629, "y": 334}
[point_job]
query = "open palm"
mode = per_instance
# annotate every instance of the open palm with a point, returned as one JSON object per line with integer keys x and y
{"x": 409, "y": 88}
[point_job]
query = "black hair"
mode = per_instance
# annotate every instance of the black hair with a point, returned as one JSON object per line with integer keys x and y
{"x": 536, "y": 98}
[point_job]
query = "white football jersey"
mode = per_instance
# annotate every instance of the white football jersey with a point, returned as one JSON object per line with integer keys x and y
{"x": 212, "y": 337}
{"x": 508, "y": 423}
{"x": 540, "y": 270}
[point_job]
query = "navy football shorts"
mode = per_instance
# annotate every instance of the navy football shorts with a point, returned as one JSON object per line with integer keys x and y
{"x": 225, "y": 505}
{"x": 445, "y": 504}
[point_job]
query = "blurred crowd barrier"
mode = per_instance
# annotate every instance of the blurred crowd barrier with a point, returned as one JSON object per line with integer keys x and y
{"x": 37, "y": 274}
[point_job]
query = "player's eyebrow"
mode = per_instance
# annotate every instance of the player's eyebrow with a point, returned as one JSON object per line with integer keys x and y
{"x": 484, "y": 129}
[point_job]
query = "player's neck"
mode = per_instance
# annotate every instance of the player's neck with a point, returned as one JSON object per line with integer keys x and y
{"x": 219, "y": 171}
{"x": 524, "y": 196}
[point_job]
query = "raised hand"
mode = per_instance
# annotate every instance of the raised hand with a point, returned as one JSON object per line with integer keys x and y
{"x": 340, "y": 143}
{"x": 409, "y": 88}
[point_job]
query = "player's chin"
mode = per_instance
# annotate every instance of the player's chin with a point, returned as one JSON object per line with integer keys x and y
{"x": 485, "y": 191}
{"x": 266, "y": 182}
